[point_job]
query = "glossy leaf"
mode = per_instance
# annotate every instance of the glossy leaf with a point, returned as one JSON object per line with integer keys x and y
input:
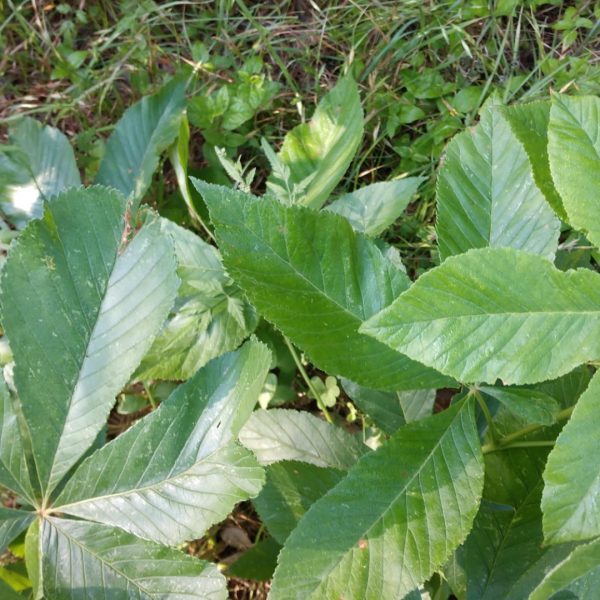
{"x": 144, "y": 131}
{"x": 317, "y": 280}
{"x": 283, "y": 434}
{"x": 89, "y": 304}
{"x": 464, "y": 320}
{"x": 529, "y": 123}
{"x": 177, "y": 471}
{"x": 531, "y": 405}
{"x": 315, "y": 155}
{"x": 39, "y": 164}
{"x": 487, "y": 196}
{"x": 572, "y": 475}
{"x": 408, "y": 504}
{"x": 86, "y": 560}
{"x": 12, "y": 523}
{"x": 210, "y": 315}
{"x": 373, "y": 208}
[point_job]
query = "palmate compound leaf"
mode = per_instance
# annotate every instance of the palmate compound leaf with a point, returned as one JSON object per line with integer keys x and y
{"x": 87, "y": 560}
{"x": 315, "y": 155}
{"x": 574, "y": 153}
{"x": 396, "y": 518}
{"x": 571, "y": 500}
{"x": 317, "y": 280}
{"x": 38, "y": 166}
{"x": 210, "y": 315}
{"x": 178, "y": 470}
{"x": 144, "y": 131}
{"x": 462, "y": 318}
{"x": 487, "y": 196}
{"x": 81, "y": 305}
{"x": 282, "y": 434}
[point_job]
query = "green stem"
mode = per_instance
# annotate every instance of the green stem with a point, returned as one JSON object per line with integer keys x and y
{"x": 488, "y": 416}
{"x": 153, "y": 402}
{"x": 488, "y": 448}
{"x": 307, "y": 380}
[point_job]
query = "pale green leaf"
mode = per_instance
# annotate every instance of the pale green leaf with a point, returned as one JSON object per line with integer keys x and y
{"x": 144, "y": 131}
{"x": 86, "y": 560}
{"x": 571, "y": 497}
{"x": 529, "y": 123}
{"x": 574, "y": 153}
{"x": 496, "y": 313}
{"x": 81, "y": 305}
{"x": 373, "y": 208}
{"x": 39, "y": 164}
{"x": 317, "y": 280}
{"x": 12, "y": 523}
{"x": 178, "y": 471}
{"x": 394, "y": 520}
{"x": 532, "y": 406}
{"x": 318, "y": 153}
{"x": 210, "y": 315}
{"x": 486, "y": 194}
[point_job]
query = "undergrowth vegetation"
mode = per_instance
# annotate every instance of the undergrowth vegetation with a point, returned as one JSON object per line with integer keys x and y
{"x": 300, "y": 300}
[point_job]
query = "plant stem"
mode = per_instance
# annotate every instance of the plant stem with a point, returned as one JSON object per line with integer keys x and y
{"x": 488, "y": 417}
{"x": 307, "y": 380}
{"x": 488, "y": 448}
{"x": 150, "y": 396}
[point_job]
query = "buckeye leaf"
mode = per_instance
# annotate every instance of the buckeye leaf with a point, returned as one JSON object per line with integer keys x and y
{"x": 177, "y": 471}
{"x": 144, "y": 131}
{"x": 496, "y": 313}
{"x": 94, "y": 561}
{"x": 81, "y": 305}
{"x": 487, "y": 196}
{"x": 12, "y": 523}
{"x": 315, "y": 155}
{"x": 532, "y": 406}
{"x": 394, "y": 520}
{"x": 317, "y": 280}
{"x": 574, "y": 153}
{"x": 572, "y": 475}
{"x": 38, "y": 165}
{"x": 373, "y": 208}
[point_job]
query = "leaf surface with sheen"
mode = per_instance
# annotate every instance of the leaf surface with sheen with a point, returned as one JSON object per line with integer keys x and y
{"x": 12, "y": 523}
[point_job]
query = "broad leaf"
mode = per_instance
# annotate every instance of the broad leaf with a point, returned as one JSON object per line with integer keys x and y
{"x": 391, "y": 410}
{"x": 373, "y": 208}
{"x": 529, "y": 123}
{"x": 315, "y": 155}
{"x": 532, "y": 406}
{"x": 464, "y": 320}
{"x": 572, "y": 475}
{"x": 210, "y": 315}
{"x": 146, "y": 130}
{"x": 38, "y": 165}
{"x": 282, "y": 434}
{"x": 289, "y": 491}
{"x": 258, "y": 563}
{"x": 574, "y": 152}
{"x": 177, "y": 471}
{"x": 85, "y": 560}
{"x": 317, "y": 280}
{"x": 486, "y": 194}
{"x": 394, "y": 520}
{"x": 89, "y": 304}
{"x": 12, "y": 523}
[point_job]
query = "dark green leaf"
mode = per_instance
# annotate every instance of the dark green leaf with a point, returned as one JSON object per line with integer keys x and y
{"x": 531, "y": 405}
{"x": 258, "y": 563}
{"x": 12, "y": 523}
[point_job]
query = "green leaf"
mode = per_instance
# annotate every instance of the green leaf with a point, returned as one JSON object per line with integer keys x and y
{"x": 210, "y": 316}
{"x": 391, "y": 410}
{"x": 283, "y": 434}
{"x": 529, "y": 123}
{"x": 33, "y": 559}
{"x": 486, "y": 194}
{"x": 12, "y": 523}
{"x": 81, "y": 305}
{"x": 317, "y": 280}
{"x": 531, "y": 405}
{"x": 258, "y": 563}
{"x": 290, "y": 490}
{"x": 581, "y": 564}
{"x": 37, "y": 166}
{"x": 394, "y": 520}
{"x": 144, "y": 131}
{"x": 318, "y": 153}
{"x": 464, "y": 320}
{"x": 574, "y": 153}
{"x": 177, "y": 471}
{"x": 94, "y": 561}
{"x": 373, "y": 208}
{"x": 572, "y": 475}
